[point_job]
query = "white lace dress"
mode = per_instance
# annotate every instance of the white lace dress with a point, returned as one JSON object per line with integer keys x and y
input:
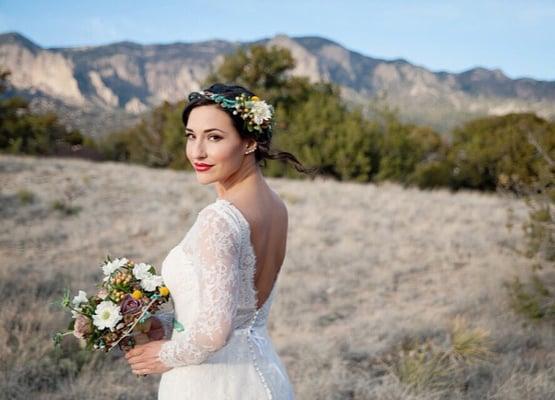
{"x": 219, "y": 347}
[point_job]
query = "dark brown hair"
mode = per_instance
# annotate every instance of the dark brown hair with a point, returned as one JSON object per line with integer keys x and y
{"x": 263, "y": 151}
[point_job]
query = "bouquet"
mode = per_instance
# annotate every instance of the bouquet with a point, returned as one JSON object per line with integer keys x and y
{"x": 119, "y": 312}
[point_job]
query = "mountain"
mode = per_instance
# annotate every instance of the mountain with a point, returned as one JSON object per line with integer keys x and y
{"x": 100, "y": 88}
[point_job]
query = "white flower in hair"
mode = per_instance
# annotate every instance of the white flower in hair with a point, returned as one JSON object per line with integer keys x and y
{"x": 261, "y": 111}
{"x": 256, "y": 113}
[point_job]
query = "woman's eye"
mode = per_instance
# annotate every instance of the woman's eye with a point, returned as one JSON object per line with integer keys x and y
{"x": 215, "y": 137}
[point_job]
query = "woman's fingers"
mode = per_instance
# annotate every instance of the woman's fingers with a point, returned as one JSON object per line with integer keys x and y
{"x": 144, "y": 359}
{"x": 137, "y": 359}
{"x": 132, "y": 360}
{"x": 136, "y": 351}
{"x": 140, "y": 367}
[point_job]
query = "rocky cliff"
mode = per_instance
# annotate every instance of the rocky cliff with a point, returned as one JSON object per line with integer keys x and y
{"x": 100, "y": 88}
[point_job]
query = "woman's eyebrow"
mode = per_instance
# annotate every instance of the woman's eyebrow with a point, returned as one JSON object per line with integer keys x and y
{"x": 206, "y": 130}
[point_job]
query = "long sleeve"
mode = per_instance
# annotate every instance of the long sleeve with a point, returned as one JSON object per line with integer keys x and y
{"x": 216, "y": 256}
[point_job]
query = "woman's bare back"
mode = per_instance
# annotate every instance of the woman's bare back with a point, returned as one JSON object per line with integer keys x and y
{"x": 268, "y": 221}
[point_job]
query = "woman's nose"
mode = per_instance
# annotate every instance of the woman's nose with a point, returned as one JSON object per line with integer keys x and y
{"x": 199, "y": 149}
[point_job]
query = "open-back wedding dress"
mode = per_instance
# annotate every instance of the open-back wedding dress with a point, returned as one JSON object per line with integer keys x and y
{"x": 219, "y": 347}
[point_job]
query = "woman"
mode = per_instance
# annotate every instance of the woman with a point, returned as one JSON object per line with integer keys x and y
{"x": 222, "y": 274}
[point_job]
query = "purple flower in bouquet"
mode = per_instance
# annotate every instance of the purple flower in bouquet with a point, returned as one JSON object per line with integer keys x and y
{"x": 130, "y": 306}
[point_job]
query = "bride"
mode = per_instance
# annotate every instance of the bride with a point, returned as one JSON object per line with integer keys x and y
{"x": 222, "y": 274}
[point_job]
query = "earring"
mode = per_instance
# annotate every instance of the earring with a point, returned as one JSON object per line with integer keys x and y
{"x": 251, "y": 150}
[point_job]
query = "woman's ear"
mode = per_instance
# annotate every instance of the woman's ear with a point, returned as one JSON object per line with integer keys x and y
{"x": 250, "y": 143}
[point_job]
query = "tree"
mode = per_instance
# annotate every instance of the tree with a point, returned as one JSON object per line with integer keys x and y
{"x": 486, "y": 148}
{"x": 260, "y": 69}
{"x": 157, "y": 141}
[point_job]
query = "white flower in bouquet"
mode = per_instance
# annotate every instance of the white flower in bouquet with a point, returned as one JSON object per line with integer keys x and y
{"x": 107, "y": 315}
{"x": 151, "y": 282}
{"x": 80, "y": 299}
{"x": 112, "y": 266}
{"x": 142, "y": 271}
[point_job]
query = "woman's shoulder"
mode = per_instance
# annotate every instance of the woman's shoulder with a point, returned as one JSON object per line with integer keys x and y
{"x": 278, "y": 207}
{"x": 220, "y": 213}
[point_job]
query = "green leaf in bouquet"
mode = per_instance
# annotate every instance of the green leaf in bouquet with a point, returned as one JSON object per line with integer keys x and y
{"x": 178, "y": 326}
{"x": 66, "y": 299}
{"x": 57, "y": 338}
{"x": 88, "y": 309}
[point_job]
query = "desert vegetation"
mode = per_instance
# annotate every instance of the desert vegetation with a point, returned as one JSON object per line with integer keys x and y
{"x": 387, "y": 292}
{"x": 313, "y": 121}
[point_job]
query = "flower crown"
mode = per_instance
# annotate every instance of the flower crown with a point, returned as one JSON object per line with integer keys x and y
{"x": 257, "y": 114}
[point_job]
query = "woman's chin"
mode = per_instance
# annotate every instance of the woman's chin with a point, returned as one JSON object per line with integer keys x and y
{"x": 203, "y": 179}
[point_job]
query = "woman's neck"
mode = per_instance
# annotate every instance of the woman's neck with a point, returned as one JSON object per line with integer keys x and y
{"x": 248, "y": 179}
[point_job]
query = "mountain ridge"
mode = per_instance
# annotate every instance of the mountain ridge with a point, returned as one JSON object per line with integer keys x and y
{"x": 125, "y": 79}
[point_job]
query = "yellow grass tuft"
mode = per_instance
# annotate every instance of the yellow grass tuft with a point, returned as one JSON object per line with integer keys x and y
{"x": 469, "y": 345}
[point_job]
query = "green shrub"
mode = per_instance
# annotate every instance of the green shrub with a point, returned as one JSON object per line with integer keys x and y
{"x": 65, "y": 208}
{"x": 157, "y": 141}
{"x": 432, "y": 174}
{"x": 25, "y": 196}
{"x": 405, "y": 153}
{"x": 534, "y": 296}
{"x": 322, "y": 132}
{"x": 486, "y": 149}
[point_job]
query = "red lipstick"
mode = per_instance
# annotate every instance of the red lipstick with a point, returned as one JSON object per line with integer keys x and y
{"x": 202, "y": 166}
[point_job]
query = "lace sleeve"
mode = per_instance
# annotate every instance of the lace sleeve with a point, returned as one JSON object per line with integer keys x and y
{"x": 216, "y": 255}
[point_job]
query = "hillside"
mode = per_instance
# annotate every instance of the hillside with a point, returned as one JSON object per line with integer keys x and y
{"x": 101, "y": 88}
{"x": 367, "y": 267}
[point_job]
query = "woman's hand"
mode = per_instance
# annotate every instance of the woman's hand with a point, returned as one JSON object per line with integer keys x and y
{"x": 144, "y": 360}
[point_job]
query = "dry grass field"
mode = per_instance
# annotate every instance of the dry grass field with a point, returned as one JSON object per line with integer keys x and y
{"x": 386, "y": 292}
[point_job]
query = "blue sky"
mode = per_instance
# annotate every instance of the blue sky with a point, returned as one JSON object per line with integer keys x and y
{"x": 515, "y": 36}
